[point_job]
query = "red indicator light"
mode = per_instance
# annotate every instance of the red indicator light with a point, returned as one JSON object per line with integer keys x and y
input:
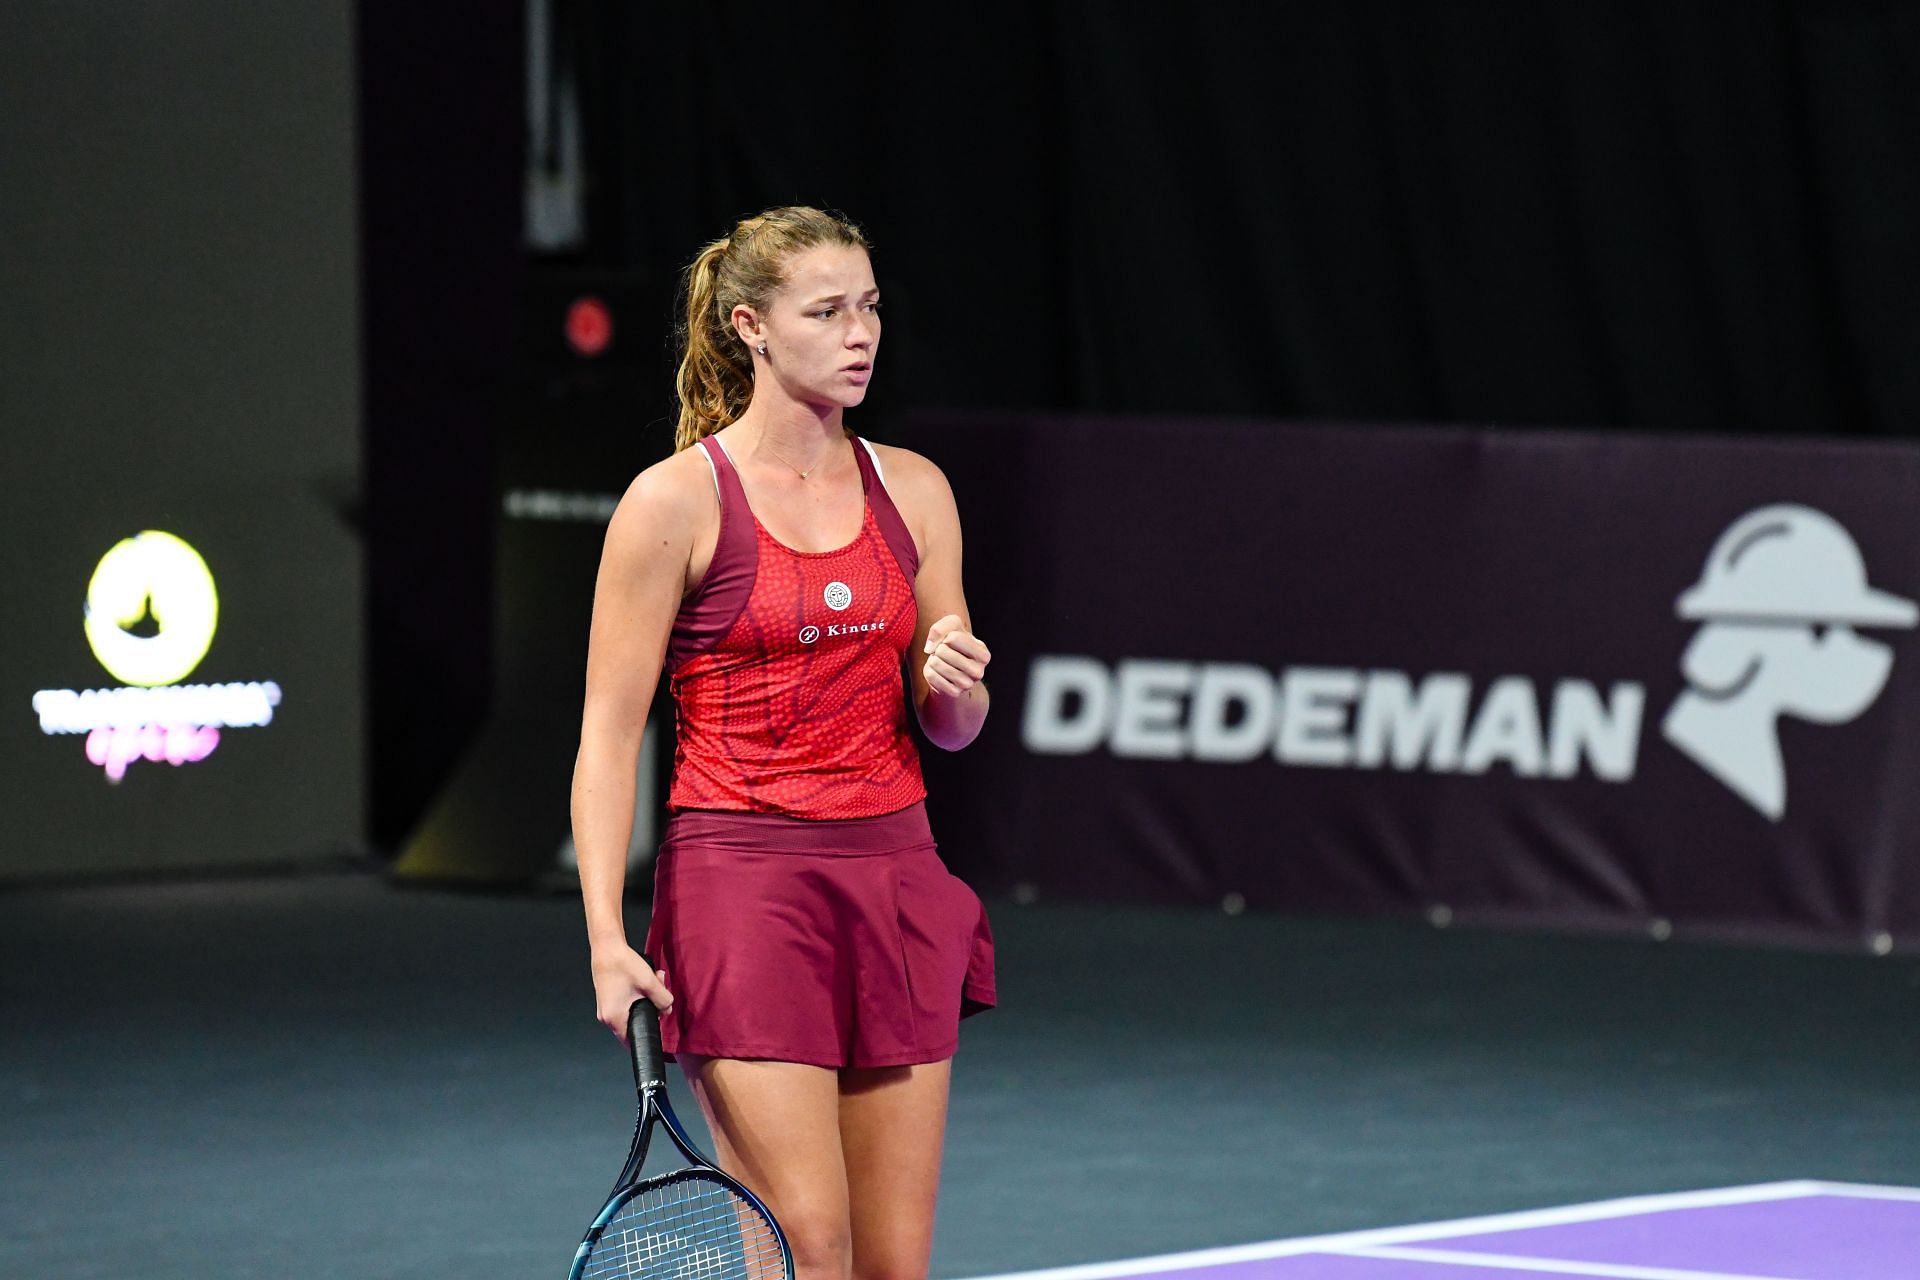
{"x": 589, "y": 326}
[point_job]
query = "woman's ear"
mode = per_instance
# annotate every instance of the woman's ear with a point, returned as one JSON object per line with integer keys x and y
{"x": 746, "y": 323}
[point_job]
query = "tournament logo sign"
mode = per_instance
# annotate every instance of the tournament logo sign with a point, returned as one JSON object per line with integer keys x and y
{"x": 151, "y": 610}
{"x": 150, "y": 617}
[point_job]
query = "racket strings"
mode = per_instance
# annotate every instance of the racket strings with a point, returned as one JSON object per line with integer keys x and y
{"x": 687, "y": 1229}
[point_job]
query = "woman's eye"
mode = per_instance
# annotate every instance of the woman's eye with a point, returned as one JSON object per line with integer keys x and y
{"x": 822, "y": 315}
{"x": 874, "y": 307}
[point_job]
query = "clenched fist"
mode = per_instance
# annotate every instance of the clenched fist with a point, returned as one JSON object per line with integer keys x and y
{"x": 956, "y": 659}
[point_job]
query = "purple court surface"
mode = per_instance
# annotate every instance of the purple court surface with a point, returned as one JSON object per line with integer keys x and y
{"x": 1779, "y": 1231}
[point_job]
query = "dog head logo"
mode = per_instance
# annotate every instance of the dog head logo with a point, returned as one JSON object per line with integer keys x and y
{"x": 1781, "y": 606}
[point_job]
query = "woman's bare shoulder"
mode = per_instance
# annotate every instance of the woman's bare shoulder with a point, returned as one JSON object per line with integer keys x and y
{"x": 667, "y": 501}
{"x": 912, "y": 475}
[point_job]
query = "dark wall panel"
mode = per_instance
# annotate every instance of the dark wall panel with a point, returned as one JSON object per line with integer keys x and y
{"x": 179, "y": 355}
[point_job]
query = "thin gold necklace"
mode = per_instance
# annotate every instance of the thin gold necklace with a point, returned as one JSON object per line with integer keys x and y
{"x": 761, "y": 444}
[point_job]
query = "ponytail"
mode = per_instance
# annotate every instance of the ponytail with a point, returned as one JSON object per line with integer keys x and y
{"x": 715, "y": 380}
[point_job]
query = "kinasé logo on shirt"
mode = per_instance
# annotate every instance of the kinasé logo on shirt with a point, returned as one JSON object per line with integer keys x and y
{"x": 835, "y": 630}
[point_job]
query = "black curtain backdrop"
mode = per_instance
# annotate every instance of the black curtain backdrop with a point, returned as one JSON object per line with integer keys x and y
{"x": 1689, "y": 217}
{"x": 441, "y": 109}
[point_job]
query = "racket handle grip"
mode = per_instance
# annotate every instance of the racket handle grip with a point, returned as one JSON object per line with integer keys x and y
{"x": 643, "y": 1038}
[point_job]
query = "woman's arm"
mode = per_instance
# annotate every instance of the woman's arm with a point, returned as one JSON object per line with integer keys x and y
{"x": 948, "y": 662}
{"x": 643, "y": 572}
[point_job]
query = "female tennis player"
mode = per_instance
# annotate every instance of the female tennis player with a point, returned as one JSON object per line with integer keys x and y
{"x": 814, "y": 957}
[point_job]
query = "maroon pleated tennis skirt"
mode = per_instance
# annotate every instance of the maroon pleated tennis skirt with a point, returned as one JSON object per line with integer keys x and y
{"x": 843, "y": 943}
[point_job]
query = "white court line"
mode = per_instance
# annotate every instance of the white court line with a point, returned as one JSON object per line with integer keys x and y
{"x": 1866, "y": 1191}
{"x": 1557, "y": 1217}
{"x": 1548, "y": 1266}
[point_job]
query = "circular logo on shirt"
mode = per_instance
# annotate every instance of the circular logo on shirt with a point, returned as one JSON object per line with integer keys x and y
{"x": 838, "y": 595}
{"x": 809, "y": 634}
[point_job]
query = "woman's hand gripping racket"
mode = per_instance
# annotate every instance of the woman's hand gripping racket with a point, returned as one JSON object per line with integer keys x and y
{"x": 695, "y": 1223}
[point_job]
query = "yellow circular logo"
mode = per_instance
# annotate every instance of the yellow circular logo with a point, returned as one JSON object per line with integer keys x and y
{"x": 151, "y": 609}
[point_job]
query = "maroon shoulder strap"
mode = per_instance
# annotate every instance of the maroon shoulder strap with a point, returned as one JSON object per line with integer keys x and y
{"x": 892, "y": 527}
{"x": 710, "y": 612}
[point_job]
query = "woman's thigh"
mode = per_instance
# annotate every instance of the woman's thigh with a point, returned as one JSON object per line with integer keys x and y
{"x": 892, "y": 1123}
{"x": 776, "y": 1128}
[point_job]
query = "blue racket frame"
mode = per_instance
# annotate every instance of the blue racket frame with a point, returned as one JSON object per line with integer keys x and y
{"x": 650, "y": 1081}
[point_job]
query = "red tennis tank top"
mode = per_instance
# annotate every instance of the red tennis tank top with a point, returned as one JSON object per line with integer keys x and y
{"x": 786, "y": 666}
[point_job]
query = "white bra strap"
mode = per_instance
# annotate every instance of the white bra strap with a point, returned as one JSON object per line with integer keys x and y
{"x": 707, "y": 454}
{"x": 874, "y": 454}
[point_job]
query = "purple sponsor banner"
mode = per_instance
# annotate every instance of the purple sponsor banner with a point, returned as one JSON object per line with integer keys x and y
{"x": 1624, "y": 681}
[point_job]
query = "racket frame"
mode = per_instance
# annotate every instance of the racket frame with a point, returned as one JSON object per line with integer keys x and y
{"x": 650, "y": 1082}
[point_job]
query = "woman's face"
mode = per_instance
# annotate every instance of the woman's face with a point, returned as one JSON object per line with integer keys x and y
{"x": 822, "y": 329}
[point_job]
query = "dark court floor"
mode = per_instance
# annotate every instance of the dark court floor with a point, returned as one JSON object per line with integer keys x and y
{"x": 331, "y": 1077}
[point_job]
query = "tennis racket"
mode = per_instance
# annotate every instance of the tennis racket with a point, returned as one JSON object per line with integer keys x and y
{"x": 694, "y": 1223}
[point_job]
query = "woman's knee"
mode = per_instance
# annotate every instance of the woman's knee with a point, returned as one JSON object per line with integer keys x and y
{"x": 821, "y": 1240}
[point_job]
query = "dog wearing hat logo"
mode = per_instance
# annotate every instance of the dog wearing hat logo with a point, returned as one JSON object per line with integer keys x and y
{"x": 1781, "y": 606}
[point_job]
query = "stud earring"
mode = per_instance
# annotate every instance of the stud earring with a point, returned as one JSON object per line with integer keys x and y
{"x": 763, "y": 348}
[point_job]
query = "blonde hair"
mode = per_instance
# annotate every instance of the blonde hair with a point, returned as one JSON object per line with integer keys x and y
{"x": 748, "y": 266}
